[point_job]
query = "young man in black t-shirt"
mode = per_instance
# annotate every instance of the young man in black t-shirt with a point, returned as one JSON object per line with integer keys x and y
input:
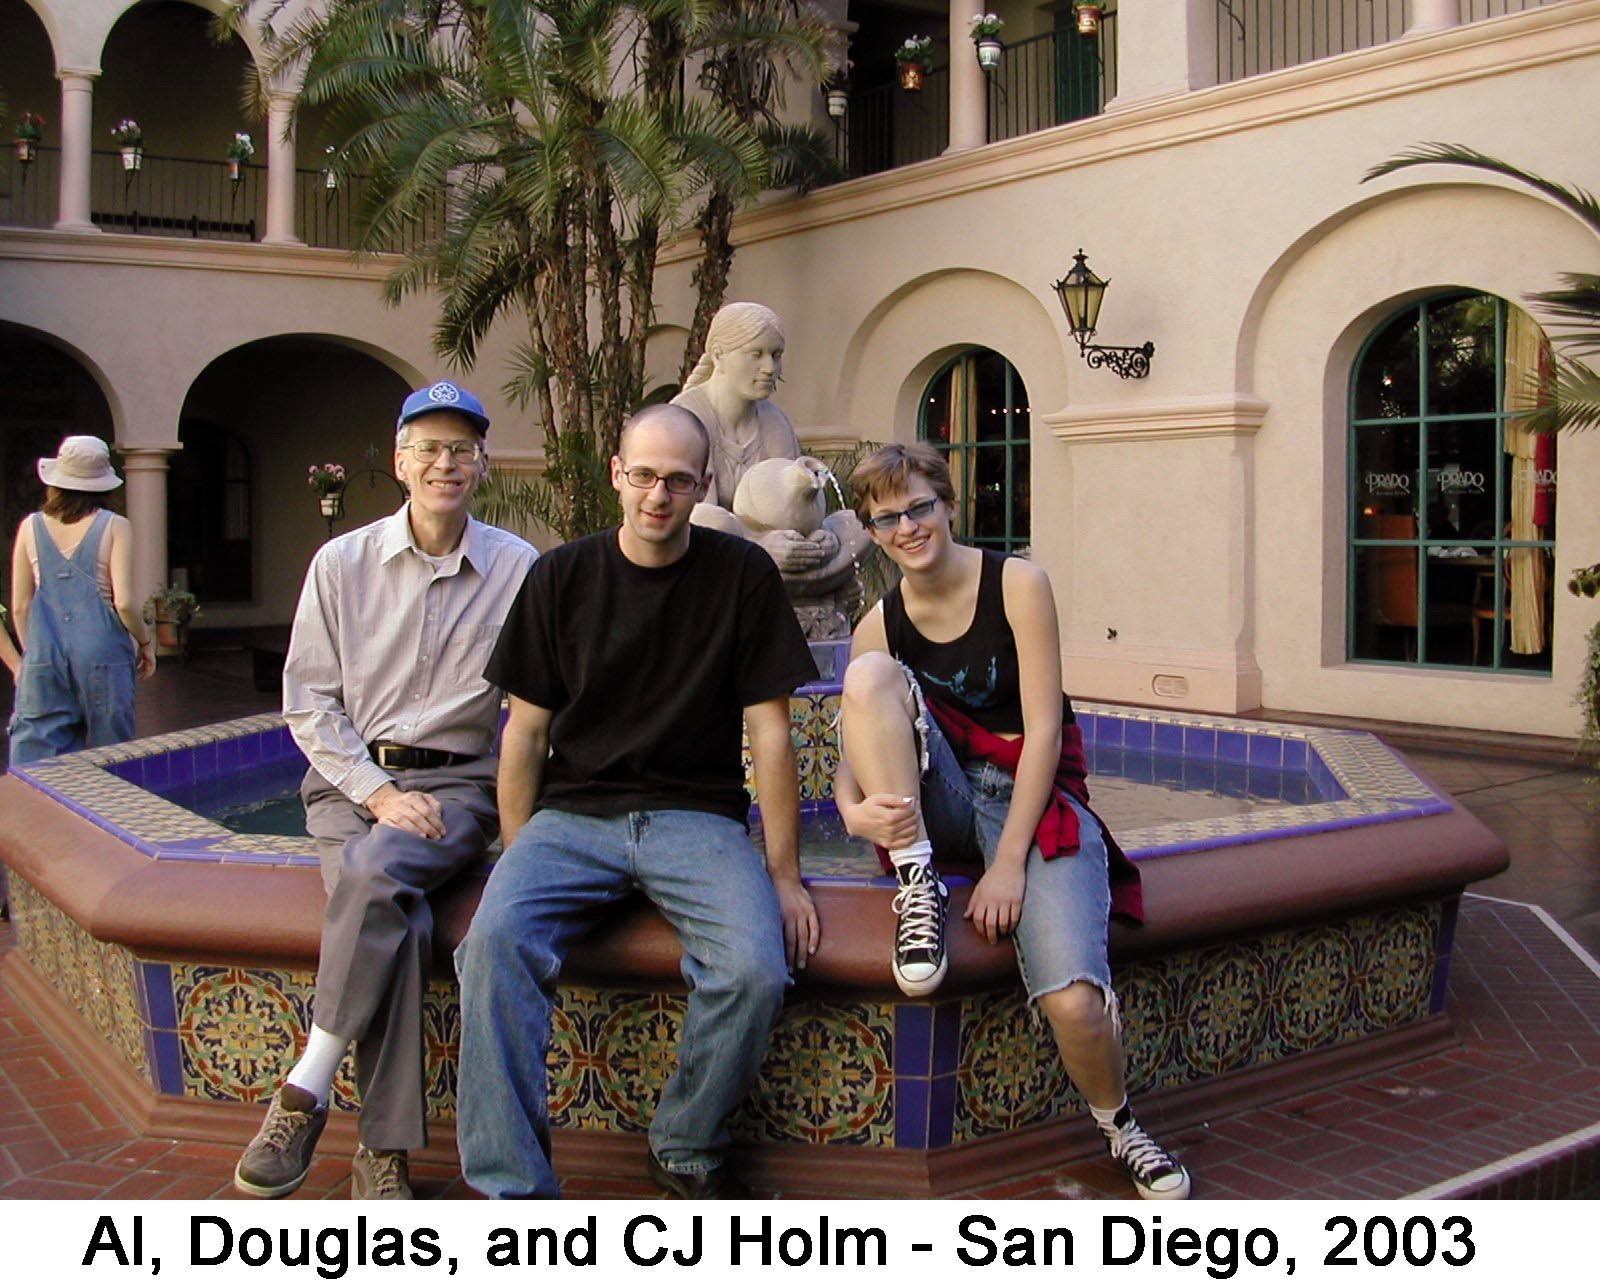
{"x": 631, "y": 657}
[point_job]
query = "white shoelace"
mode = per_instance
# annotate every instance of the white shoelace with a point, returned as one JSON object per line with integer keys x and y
{"x": 1140, "y": 1152}
{"x": 919, "y": 906}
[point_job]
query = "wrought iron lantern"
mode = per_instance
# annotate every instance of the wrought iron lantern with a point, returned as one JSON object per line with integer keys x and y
{"x": 1081, "y": 293}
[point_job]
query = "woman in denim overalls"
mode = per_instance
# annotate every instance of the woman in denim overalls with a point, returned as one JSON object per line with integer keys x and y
{"x": 82, "y": 638}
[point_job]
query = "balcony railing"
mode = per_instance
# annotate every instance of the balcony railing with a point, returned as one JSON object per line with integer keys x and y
{"x": 1051, "y": 79}
{"x": 1256, "y": 36}
{"x": 177, "y": 197}
{"x": 888, "y": 127}
{"x": 28, "y": 191}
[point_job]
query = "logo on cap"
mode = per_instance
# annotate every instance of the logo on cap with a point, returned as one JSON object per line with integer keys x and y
{"x": 444, "y": 394}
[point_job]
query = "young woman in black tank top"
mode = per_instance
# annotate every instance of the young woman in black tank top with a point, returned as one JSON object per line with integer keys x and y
{"x": 980, "y": 635}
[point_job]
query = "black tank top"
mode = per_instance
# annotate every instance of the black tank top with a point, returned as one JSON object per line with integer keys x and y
{"x": 977, "y": 672}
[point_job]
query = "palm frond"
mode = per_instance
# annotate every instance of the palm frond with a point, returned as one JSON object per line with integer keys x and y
{"x": 1576, "y": 199}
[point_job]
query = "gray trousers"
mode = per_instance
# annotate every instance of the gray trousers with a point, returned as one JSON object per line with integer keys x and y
{"x": 377, "y": 933}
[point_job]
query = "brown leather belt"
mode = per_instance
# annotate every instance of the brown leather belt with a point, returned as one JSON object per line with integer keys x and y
{"x": 403, "y": 758}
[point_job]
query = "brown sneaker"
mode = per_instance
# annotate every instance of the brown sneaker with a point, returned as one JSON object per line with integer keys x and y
{"x": 279, "y": 1156}
{"x": 380, "y": 1175}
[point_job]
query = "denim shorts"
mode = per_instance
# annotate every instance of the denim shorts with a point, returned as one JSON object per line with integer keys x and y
{"x": 1061, "y": 937}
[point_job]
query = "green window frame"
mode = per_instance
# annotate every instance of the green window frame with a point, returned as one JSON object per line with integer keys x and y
{"x": 1452, "y": 502}
{"x": 975, "y": 410}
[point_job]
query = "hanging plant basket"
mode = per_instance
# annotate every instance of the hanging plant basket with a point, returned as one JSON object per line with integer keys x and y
{"x": 133, "y": 159}
{"x": 911, "y": 74}
{"x": 838, "y": 103}
{"x": 332, "y": 505}
{"x": 27, "y": 149}
{"x": 235, "y": 170}
{"x": 989, "y": 53}
{"x": 1088, "y": 16}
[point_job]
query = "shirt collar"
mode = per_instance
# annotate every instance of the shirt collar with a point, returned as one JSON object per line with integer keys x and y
{"x": 396, "y": 538}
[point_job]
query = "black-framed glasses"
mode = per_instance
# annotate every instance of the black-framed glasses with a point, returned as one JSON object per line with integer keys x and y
{"x": 427, "y": 450}
{"x": 646, "y": 478}
{"x": 919, "y": 511}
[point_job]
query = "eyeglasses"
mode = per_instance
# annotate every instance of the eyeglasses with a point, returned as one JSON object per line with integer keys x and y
{"x": 917, "y": 512}
{"x": 427, "y": 450}
{"x": 646, "y": 478}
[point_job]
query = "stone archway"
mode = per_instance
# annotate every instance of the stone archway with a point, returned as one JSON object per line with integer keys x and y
{"x": 49, "y": 395}
{"x": 243, "y": 523}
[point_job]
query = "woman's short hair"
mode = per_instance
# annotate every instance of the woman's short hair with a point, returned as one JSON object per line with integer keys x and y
{"x": 70, "y": 506}
{"x": 888, "y": 470}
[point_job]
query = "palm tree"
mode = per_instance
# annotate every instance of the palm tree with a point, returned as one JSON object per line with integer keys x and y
{"x": 752, "y": 49}
{"x": 554, "y": 135}
{"x": 1572, "y": 398}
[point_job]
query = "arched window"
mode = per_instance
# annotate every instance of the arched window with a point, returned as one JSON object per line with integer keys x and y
{"x": 976, "y": 411}
{"x": 1453, "y": 502}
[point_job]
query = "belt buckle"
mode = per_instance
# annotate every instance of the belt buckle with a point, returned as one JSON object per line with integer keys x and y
{"x": 383, "y": 757}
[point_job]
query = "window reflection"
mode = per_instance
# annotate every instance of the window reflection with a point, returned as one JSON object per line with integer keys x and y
{"x": 1453, "y": 502}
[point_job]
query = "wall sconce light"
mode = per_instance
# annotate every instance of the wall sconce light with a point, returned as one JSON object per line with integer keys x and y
{"x": 1081, "y": 294}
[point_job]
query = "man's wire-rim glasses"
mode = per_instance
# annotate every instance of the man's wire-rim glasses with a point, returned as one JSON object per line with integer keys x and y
{"x": 427, "y": 450}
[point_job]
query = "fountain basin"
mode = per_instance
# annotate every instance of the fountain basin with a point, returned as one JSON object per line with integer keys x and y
{"x": 1284, "y": 946}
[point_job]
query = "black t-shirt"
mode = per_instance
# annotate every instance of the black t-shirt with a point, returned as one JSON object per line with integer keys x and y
{"x": 977, "y": 673}
{"x": 647, "y": 670}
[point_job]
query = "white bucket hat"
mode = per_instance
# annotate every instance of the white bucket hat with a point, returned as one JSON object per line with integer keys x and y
{"x": 82, "y": 464}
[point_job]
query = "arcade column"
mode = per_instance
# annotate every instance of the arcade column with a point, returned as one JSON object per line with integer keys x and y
{"x": 145, "y": 469}
{"x": 280, "y": 228}
{"x": 969, "y": 89}
{"x": 77, "y": 125}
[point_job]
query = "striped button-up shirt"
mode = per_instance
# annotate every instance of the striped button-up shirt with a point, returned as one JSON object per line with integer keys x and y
{"x": 390, "y": 644}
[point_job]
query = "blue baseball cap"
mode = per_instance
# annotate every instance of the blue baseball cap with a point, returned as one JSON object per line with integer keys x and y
{"x": 444, "y": 396}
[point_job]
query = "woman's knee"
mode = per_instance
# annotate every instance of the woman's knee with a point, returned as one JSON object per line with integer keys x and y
{"x": 875, "y": 680}
{"x": 1079, "y": 1011}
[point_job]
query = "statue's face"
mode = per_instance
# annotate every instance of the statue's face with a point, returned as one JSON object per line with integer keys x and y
{"x": 752, "y": 369}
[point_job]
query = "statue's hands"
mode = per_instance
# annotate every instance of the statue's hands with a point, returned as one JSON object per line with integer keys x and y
{"x": 792, "y": 551}
{"x": 826, "y": 540}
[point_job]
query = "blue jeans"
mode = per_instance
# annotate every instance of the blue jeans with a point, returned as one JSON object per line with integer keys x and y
{"x": 706, "y": 877}
{"x": 1066, "y": 902}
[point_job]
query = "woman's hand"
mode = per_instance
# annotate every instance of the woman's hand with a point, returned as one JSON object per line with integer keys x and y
{"x": 146, "y": 666}
{"x": 995, "y": 906}
{"x": 889, "y": 820}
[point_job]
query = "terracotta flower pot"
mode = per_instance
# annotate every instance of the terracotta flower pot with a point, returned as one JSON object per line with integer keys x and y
{"x": 235, "y": 170}
{"x": 27, "y": 149}
{"x": 1088, "y": 16}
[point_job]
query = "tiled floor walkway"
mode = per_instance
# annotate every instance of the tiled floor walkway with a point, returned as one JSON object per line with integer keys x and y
{"x": 1512, "y": 1109}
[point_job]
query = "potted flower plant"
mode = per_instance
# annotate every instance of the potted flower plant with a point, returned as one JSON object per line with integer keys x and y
{"x": 170, "y": 610}
{"x": 836, "y": 89}
{"x": 915, "y": 57}
{"x": 239, "y": 151}
{"x": 1088, "y": 16}
{"x": 984, "y": 28}
{"x": 327, "y": 480}
{"x": 330, "y": 175}
{"x": 130, "y": 139}
{"x": 30, "y": 129}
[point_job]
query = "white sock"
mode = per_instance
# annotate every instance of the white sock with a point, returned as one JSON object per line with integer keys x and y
{"x": 318, "y": 1065}
{"x": 919, "y": 853}
{"x": 1107, "y": 1116}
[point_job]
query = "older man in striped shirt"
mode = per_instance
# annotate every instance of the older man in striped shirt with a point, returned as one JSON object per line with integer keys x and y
{"x": 383, "y": 692}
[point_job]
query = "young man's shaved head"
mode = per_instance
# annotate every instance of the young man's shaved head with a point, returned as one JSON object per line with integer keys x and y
{"x": 666, "y": 415}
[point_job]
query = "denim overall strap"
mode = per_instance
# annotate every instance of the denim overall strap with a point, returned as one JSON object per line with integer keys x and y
{"x": 76, "y": 685}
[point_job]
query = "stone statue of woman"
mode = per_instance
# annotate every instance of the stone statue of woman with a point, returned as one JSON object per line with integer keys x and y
{"x": 730, "y": 390}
